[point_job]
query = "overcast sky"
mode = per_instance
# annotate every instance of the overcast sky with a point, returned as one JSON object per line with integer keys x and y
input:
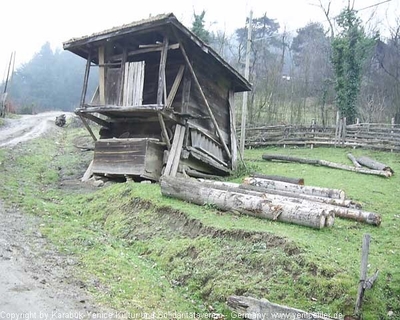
{"x": 27, "y": 24}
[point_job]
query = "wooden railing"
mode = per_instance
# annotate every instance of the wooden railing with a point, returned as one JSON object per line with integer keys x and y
{"x": 380, "y": 136}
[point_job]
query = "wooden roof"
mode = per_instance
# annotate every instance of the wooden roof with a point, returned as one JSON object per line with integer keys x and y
{"x": 160, "y": 24}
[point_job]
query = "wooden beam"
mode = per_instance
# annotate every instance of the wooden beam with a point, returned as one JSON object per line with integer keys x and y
{"x": 145, "y": 50}
{"x": 101, "y": 108}
{"x": 186, "y": 92}
{"x": 175, "y": 87}
{"x": 85, "y": 80}
{"x": 196, "y": 81}
{"x": 95, "y": 119}
{"x": 232, "y": 120}
{"x": 102, "y": 75}
{"x": 88, "y": 127}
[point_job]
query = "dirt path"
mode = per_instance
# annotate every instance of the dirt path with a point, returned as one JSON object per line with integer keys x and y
{"x": 36, "y": 282}
{"x": 27, "y": 127}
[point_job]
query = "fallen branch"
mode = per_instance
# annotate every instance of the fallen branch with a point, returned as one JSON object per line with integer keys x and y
{"x": 299, "y": 181}
{"x": 375, "y": 165}
{"x": 201, "y": 193}
{"x": 325, "y": 163}
{"x": 353, "y": 159}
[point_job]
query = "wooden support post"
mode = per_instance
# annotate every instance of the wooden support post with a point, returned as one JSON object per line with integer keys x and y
{"x": 186, "y": 93}
{"x": 162, "y": 91}
{"x": 161, "y": 73}
{"x": 196, "y": 81}
{"x": 85, "y": 80}
{"x": 232, "y": 120}
{"x": 88, "y": 127}
{"x": 363, "y": 272}
{"x": 175, "y": 87}
{"x": 122, "y": 78}
{"x": 175, "y": 152}
{"x": 164, "y": 130}
{"x": 102, "y": 76}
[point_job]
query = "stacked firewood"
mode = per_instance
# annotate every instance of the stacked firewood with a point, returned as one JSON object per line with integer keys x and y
{"x": 275, "y": 200}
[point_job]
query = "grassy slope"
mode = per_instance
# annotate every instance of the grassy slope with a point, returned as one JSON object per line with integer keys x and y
{"x": 147, "y": 257}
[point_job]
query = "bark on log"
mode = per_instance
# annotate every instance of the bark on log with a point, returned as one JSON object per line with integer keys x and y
{"x": 354, "y": 160}
{"x": 256, "y": 309}
{"x": 299, "y": 181}
{"x": 335, "y": 202}
{"x": 372, "y": 164}
{"x": 329, "y": 206}
{"x": 314, "y": 191}
{"x": 199, "y": 193}
{"x": 325, "y": 163}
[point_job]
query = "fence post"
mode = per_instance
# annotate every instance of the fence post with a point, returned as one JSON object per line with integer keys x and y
{"x": 391, "y": 134}
{"x": 337, "y": 127}
{"x": 344, "y": 131}
{"x": 312, "y": 130}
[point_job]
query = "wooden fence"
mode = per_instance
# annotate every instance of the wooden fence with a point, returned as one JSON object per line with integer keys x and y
{"x": 379, "y": 136}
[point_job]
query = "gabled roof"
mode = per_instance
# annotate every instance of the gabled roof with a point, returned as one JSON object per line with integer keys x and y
{"x": 152, "y": 24}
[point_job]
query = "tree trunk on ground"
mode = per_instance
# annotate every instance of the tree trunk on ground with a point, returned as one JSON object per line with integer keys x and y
{"x": 325, "y": 163}
{"x": 329, "y": 205}
{"x": 299, "y": 181}
{"x": 256, "y": 309}
{"x": 372, "y": 164}
{"x": 201, "y": 194}
{"x": 288, "y": 187}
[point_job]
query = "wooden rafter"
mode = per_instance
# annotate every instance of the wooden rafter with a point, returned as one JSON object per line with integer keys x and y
{"x": 196, "y": 81}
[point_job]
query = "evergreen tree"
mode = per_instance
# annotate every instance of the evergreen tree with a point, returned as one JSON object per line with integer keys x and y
{"x": 349, "y": 52}
{"x": 198, "y": 27}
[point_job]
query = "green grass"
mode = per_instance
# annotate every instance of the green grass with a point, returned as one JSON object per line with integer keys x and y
{"x": 141, "y": 252}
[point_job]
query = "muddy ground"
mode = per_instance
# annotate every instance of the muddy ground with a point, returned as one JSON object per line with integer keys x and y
{"x": 36, "y": 281}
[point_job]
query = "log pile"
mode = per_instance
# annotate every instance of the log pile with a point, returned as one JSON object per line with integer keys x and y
{"x": 268, "y": 199}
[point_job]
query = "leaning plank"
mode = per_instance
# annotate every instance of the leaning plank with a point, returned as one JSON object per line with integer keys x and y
{"x": 88, "y": 173}
{"x": 175, "y": 152}
{"x": 372, "y": 164}
{"x": 255, "y": 309}
{"x": 289, "y": 187}
{"x": 196, "y": 192}
{"x": 325, "y": 163}
{"x": 299, "y": 181}
{"x": 354, "y": 160}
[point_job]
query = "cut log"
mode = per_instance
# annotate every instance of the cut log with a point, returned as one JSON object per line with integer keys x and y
{"x": 328, "y": 206}
{"x": 372, "y": 164}
{"x": 354, "y": 160}
{"x": 256, "y": 309}
{"x": 292, "y": 188}
{"x": 336, "y": 202}
{"x": 325, "y": 163}
{"x": 299, "y": 181}
{"x": 196, "y": 192}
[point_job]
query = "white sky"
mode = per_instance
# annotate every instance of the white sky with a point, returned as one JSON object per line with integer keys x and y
{"x": 25, "y": 25}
